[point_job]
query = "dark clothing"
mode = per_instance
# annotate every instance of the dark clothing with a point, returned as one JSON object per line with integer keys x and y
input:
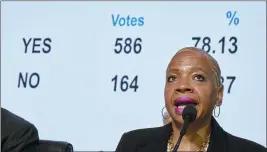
{"x": 17, "y": 134}
{"x": 156, "y": 140}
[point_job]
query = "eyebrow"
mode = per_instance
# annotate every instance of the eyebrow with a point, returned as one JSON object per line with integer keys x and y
{"x": 193, "y": 68}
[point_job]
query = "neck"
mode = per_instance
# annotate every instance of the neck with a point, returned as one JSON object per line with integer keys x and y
{"x": 196, "y": 133}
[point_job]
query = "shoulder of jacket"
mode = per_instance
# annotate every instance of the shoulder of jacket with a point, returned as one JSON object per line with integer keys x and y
{"x": 242, "y": 144}
{"x": 142, "y": 135}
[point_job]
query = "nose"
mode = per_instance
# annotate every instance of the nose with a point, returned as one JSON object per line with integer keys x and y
{"x": 184, "y": 89}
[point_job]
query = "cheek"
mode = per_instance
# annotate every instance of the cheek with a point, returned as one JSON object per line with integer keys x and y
{"x": 168, "y": 94}
{"x": 207, "y": 96}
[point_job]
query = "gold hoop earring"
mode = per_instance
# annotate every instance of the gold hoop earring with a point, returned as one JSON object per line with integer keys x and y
{"x": 163, "y": 115}
{"x": 214, "y": 113}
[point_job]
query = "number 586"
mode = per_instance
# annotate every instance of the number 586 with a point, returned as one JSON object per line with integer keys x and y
{"x": 128, "y": 45}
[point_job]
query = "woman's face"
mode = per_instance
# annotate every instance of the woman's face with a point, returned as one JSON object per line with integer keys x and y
{"x": 190, "y": 79}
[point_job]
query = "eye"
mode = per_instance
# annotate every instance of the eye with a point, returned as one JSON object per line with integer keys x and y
{"x": 171, "y": 78}
{"x": 199, "y": 77}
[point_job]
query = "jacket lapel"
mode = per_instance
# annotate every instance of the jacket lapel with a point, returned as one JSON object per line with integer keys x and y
{"x": 218, "y": 140}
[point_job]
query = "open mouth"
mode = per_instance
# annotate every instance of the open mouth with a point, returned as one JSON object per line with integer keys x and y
{"x": 181, "y": 103}
{"x": 184, "y": 104}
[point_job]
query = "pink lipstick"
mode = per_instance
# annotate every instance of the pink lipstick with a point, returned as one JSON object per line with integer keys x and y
{"x": 182, "y": 102}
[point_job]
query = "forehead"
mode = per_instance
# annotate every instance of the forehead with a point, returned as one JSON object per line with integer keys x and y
{"x": 191, "y": 58}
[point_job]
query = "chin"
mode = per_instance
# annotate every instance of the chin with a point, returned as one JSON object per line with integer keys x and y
{"x": 178, "y": 122}
{"x": 177, "y": 118}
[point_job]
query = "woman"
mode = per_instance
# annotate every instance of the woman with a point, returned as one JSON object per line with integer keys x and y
{"x": 193, "y": 76}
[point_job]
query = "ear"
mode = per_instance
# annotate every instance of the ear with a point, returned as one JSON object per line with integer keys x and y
{"x": 219, "y": 95}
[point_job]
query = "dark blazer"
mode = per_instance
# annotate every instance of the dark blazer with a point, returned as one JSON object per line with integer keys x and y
{"x": 156, "y": 139}
{"x": 17, "y": 134}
